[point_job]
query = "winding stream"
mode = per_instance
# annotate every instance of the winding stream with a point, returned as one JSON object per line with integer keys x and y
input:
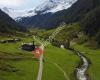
{"x": 81, "y": 70}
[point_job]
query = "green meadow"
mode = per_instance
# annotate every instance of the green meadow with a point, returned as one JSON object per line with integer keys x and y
{"x": 57, "y": 62}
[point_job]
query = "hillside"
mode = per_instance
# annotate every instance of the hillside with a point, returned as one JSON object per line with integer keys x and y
{"x": 73, "y": 14}
{"x": 90, "y": 25}
{"x": 85, "y": 12}
{"x": 7, "y": 24}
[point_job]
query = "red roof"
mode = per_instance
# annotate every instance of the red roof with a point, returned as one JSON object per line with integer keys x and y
{"x": 37, "y": 52}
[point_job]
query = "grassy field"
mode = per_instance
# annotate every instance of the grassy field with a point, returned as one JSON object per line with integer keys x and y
{"x": 14, "y": 69}
{"x": 94, "y": 57}
{"x": 64, "y": 58}
{"x": 26, "y": 69}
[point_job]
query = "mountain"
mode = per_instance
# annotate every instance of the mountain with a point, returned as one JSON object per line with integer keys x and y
{"x": 17, "y": 14}
{"x": 49, "y": 6}
{"x": 44, "y": 13}
{"x": 46, "y": 7}
{"x": 90, "y": 25}
{"x": 11, "y": 12}
{"x": 75, "y": 13}
{"x": 7, "y": 24}
{"x": 52, "y": 13}
{"x": 53, "y": 6}
{"x": 49, "y": 20}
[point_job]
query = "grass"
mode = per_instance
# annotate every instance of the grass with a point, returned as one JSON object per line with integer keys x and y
{"x": 26, "y": 69}
{"x": 64, "y": 58}
{"x": 94, "y": 57}
{"x": 14, "y": 47}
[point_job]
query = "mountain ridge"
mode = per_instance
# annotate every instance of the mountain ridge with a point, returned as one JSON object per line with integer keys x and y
{"x": 51, "y": 6}
{"x": 7, "y": 24}
{"x": 54, "y": 6}
{"x": 50, "y": 20}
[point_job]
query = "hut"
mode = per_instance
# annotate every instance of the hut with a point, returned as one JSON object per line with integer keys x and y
{"x": 28, "y": 46}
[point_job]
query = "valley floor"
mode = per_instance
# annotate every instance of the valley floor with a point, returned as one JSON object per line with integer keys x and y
{"x": 15, "y": 64}
{"x": 59, "y": 64}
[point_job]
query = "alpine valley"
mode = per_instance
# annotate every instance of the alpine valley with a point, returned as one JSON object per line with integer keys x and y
{"x": 56, "y": 40}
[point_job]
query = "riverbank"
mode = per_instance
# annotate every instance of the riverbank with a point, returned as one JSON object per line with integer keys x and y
{"x": 92, "y": 55}
{"x": 83, "y": 66}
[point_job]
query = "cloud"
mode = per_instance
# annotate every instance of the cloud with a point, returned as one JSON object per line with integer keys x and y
{"x": 21, "y": 4}
{"x": 12, "y": 3}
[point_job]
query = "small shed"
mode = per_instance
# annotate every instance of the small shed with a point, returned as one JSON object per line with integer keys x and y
{"x": 28, "y": 46}
{"x": 62, "y": 46}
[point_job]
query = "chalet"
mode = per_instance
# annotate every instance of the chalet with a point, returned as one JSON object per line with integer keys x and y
{"x": 28, "y": 46}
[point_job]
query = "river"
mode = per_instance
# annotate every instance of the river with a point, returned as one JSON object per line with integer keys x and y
{"x": 81, "y": 70}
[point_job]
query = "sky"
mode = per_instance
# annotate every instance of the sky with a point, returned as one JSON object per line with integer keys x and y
{"x": 20, "y": 4}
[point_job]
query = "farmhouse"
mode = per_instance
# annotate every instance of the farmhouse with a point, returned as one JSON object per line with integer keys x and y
{"x": 28, "y": 46}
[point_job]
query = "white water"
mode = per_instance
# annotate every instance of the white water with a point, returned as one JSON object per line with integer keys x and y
{"x": 82, "y": 69}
